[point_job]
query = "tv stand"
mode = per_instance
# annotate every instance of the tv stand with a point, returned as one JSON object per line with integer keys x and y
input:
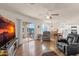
{"x": 9, "y": 49}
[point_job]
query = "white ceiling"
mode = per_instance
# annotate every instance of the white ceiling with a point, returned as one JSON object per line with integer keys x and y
{"x": 67, "y": 11}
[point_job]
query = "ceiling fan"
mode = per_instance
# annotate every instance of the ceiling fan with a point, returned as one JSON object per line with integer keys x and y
{"x": 51, "y": 15}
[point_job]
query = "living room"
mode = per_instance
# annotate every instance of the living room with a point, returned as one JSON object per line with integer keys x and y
{"x": 49, "y": 29}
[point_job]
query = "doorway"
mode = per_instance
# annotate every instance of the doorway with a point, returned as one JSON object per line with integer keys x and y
{"x": 31, "y": 30}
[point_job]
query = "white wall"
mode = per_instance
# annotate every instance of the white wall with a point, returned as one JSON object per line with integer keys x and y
{"x": 64, "y": 25}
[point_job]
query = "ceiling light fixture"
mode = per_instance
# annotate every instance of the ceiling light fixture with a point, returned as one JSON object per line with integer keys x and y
{"x": 51, "y": 15}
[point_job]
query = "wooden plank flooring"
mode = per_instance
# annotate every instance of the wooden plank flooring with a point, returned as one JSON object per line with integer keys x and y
{"x": 37, "y": 48}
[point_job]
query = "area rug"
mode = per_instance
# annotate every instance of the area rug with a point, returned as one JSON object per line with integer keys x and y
{"x": 51, "y": 53}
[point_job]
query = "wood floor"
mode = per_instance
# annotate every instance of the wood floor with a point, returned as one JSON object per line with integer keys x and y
{"x": 36, "y": 48}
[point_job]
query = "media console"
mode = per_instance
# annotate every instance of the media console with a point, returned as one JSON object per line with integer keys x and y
{"x": 9, "y": 49}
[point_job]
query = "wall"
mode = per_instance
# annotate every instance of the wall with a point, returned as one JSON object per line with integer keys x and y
{"x": 18, "y": 19}
{"x": 64, "y": 25}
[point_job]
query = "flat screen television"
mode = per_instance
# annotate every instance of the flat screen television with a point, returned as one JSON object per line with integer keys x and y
{"x": 7, "y": 31}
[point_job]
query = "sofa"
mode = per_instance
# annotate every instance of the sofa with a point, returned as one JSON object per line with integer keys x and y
{"x": 70, "y": 45}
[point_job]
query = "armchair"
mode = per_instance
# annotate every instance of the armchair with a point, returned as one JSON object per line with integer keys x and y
{"x": 46, "y": 35}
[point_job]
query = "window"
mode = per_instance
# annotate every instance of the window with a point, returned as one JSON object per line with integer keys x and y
{"x": 44, "y": 28}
